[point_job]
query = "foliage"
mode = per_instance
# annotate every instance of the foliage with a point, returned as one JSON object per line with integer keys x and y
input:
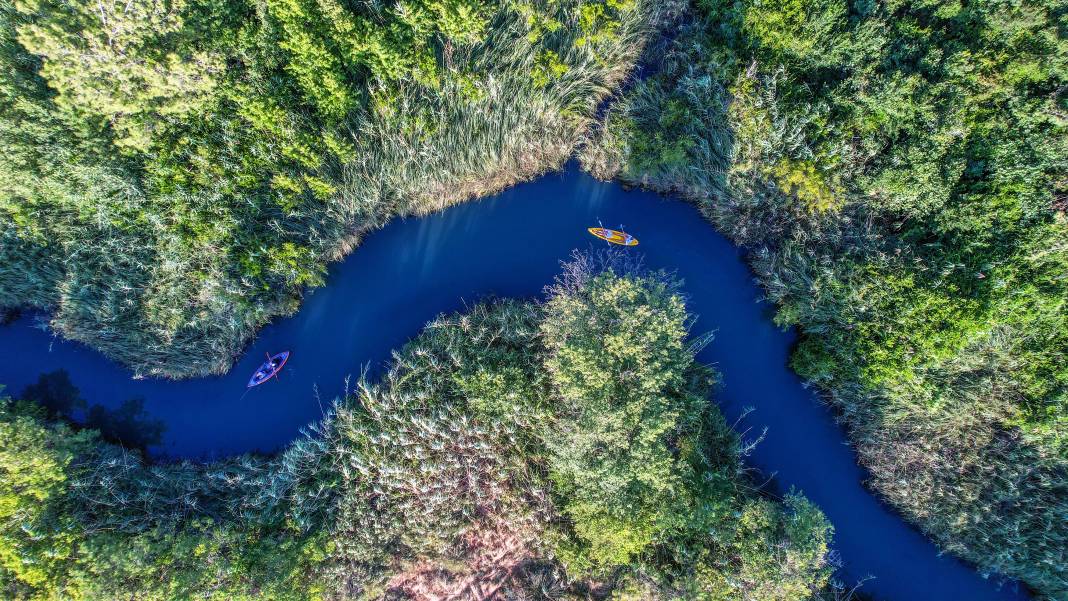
{"x": 128, "y": 64}
{"x": 449, "y": 469}
{"x": 176, "y": 172}
{"x": 618, "y": 361}
{"x": 647, "y": 473}
{"x": 84, "y": 519}
{"x": 33, "y": 468}
{"x": 896, "y": 170}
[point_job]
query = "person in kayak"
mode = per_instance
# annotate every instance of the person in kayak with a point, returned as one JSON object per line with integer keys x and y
{"x": 268, "y": 369}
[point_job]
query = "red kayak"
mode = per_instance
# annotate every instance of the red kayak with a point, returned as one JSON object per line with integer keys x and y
{"x": 269, "y": 369}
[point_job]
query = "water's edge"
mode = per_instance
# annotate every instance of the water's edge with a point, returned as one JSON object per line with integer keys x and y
{"x": 416, "y": 268}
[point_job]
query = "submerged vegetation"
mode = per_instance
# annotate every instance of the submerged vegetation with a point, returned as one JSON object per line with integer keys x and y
{"x": 174, "y": 173}
{"x": 897, "y": 172}
{"x": 450, "y": 475}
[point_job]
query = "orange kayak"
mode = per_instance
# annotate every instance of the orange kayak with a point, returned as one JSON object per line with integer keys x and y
{"x": 614, "y": 236}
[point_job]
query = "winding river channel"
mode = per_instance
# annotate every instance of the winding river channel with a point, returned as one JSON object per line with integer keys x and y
{"x": 512, "y": 245}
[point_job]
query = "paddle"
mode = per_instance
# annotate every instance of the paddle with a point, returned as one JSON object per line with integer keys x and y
{"x": 276, "y": 371}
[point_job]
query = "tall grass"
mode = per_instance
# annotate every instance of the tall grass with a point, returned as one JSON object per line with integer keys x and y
{"x": 940, "y": 408}
{"x": 984, "y": 491}
{"x": 122, "y": 273}
{"x": 439, "y": 479}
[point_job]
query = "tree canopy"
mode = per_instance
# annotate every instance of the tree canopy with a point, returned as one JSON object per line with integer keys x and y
{"x": 896, "y": 170}
{"x": 448, "y": 469}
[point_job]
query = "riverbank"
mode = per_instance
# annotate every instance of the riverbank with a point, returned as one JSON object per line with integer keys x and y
{"x": 447, "y": 476}
{"x": 921, "y": 266}
{"x": 892, "y": 211}
{"x": 168, "y": 246}
{"x": 445, "y": 262}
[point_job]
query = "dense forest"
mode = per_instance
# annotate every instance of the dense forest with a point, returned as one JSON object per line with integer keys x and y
{"x": 898, "y": 172}
{"x": 515, "y": 445}
{"x": 175, "y": 172}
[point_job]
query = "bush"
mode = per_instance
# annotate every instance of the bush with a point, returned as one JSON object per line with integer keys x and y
{"x": 894, "y": 172}
{"x": 169, "y": 209}
{"x": 618, "y": 360}
{"x": 450, "y": 470}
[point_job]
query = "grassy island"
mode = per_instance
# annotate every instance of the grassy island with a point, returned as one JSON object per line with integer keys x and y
{"x": 551, "y": 451}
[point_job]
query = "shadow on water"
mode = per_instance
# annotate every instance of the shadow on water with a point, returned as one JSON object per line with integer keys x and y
{"x": 511, "y": 245}
{"x": 128, "y": 424}
{"x": 9, "y": 315}
{"x": 55, "y": 392}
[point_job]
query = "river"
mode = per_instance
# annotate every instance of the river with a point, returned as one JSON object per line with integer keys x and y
{"x": 511, "y": 245}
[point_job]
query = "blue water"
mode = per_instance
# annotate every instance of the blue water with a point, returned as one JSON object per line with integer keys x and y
{"x": 405, "y": 274}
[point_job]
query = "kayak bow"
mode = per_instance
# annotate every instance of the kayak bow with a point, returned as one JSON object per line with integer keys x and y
{"x": 269, "y": 369}
{"x": 614, "y": 236}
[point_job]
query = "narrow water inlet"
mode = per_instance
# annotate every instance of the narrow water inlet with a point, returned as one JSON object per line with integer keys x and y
{"x": 511, "y": 245}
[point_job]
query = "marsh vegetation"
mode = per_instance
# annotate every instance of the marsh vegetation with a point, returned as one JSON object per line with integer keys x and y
{"x": 175, "y": 173}
{"x": 551, "y": 451}
{"x": 896, "y": 172}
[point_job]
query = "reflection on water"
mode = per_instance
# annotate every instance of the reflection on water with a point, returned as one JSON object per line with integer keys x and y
{"x": 56, "y": 393}
{"x": 128, "y": 425}
{"x": 8, "y": 316}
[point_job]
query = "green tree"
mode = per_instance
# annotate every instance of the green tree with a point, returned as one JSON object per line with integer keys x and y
{"x": 618, "y": 359}
{"x": 36, "y": 537}
{"x": 133, "y": 64}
